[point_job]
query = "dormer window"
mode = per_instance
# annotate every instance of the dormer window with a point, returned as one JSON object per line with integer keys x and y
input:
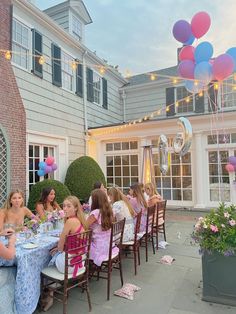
{"x": 76, "y": 27}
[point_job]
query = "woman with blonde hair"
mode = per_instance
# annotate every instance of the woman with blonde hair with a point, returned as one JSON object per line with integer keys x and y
{"x": 14, "y": 212}
{"x": 153, "y": 196}
{"x": 123, "y": 209}
{"x": 139, "y": 204}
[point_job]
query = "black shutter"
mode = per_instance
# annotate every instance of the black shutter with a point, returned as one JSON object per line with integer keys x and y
{"x": 37, "y": 50}
{"x": 170, "y": 101}
{"x": 56, "y": 65}
{"x": 199, "y": 103}
{"x": 79, "y": 80}
{"x": 212, "y": 98}
{"x": 90, "y": 85}
{"x": 104, "y": 87}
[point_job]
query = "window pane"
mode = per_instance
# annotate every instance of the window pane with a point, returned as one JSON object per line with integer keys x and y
{"x": 134, "y": 145}
{"x": 213, "y": 157}
{"x": 110, "y": 171}
{"x": 224, "y": 138}
{"x": 186, "y": 169}
{"x": 187, "y": 195}
{"x": 126, "y": 182}
{"x": 118, "y": 181}
{"x": 176, "y": 182}
{"x": 117, "y": 146}
{"x": 109, "y": 147}
{"x": 166, "y": 182}
{"x": 187, "y": 182}
{"x": 125, "y": 160}
{"x": 186, "y": 158}
{"x": 134, "y": 171}
{"x": 212, "y": 139}
{"x": 175, "y": 170}
{"x": 233, "y": 137}
{"x": 167, "y": 194}
{"x": 109, "y": 160}
{"x": 118, "y": 171}
{"x": 126, "y": 171}
{"x": 125, "y": 145}
{"x": 31, "y": 150}
{"x": 117, "y": 160}
{"x": 134, "y": 159}
{"x": 176, "y": 195}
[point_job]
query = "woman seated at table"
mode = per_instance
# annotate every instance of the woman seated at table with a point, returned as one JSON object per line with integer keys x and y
{"x": 97, "y": 185}
{"x": 74, "y": 223}
{"x": 9, "y": 251}
{"x": 14, "y": 212}
{"x": 153, "y": 196}
{"x": 47, "y": 202}
{"x": 139, "y": 204}
{"x": 100, "y": 221}
{"x": 123, "y": 209}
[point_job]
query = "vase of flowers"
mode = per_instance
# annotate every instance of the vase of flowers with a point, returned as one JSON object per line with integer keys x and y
{"x": 216, "y": 235}
{"x": 56, "y": 218}
{"x": 33, "y": 224}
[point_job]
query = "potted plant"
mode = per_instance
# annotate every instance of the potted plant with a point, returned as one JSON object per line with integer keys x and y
{"x": 216, "y": 236}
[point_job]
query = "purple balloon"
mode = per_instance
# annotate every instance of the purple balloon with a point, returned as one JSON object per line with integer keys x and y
{"x": 54, "y": 167}
{"x": 186, "y": 69}
{"x": 48, "y": 169}
{"x": 222, "y": 67}
{"x": 182, "y": 31}
{"x": 232, "y": 160}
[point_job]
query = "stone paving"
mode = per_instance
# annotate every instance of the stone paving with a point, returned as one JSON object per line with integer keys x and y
{"x": 165, "y": 289}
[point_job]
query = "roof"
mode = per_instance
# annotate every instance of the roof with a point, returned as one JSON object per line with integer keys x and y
{"x": 145, "y": 77}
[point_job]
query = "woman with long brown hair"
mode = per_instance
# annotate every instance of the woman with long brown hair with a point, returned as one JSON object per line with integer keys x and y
{"x": 47, "y": 202}
{"x": 100, "y": 221}
{"x": 123, "y": 209}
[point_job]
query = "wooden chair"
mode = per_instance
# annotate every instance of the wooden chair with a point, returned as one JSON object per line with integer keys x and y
{"x": 148, "y": 235}
{"x": 106, "y": 267}
{"x": 76, "y": 250}
{"x": 159, "y": 225}
{"x": 133, "y": 246}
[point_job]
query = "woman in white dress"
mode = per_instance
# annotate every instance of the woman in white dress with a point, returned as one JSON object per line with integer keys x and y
{"x": 123, "y": 209}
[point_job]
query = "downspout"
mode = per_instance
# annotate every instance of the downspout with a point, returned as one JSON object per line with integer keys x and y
{"x": 124, "y": 105}
{"x": 85, "y": 91}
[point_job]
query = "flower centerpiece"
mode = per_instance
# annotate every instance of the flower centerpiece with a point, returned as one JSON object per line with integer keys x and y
{"x": 32, "y": 224}
{"x": 216, "y": 235}
{"x": 55, "y": 217}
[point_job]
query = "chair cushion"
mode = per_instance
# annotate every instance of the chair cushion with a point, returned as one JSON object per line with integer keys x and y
{"x": 52, "y": 272}
{"x": 113, "y": 256}
{"x": 128, "y": 243}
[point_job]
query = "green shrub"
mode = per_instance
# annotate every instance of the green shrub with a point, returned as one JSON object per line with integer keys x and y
{"x": 81, "y": 176}
{"x": 61, "y": 191}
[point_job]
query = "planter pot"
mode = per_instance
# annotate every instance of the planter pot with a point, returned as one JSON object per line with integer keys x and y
{"x": 219, "y": 278}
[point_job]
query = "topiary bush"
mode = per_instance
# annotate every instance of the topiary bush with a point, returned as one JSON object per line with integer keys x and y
{"x": 61, "y": 192}
{"x": 81, "y": 176}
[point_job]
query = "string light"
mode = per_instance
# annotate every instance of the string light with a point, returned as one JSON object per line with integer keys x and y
{"x": 200, "y": 94}
{"x": 234, "y": 76}
{"x": 176, "y": 104}
{"x": 167, "y": 109}
{"x": 127, "y": 74}
{"x": 187, "y": 99}
{"x": 216, "y": 86}
{"x": 8, "y": 55}
{"x": 41, "y": 60}
{"x": 153, "y": 77}
{"x": 175, "y": 81}
{"x": 102, "y": 70}
{"x": 195, "y": 83}
{"x": 234, "y": 87}
{"x": 74, "y": 65}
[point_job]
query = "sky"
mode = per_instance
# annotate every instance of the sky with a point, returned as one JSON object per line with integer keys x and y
{"x": 137, "y": 35}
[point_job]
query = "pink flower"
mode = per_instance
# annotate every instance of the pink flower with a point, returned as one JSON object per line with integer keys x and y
{"x": 226, "y": 215}
{"x": 232, "y": 222}
{"x": 214, "y": 228}
{"x": 49, "y": 216}
{"x": 61, "y": 213}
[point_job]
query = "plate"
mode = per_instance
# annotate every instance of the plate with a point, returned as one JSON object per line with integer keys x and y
{"x": 29, "y": 245}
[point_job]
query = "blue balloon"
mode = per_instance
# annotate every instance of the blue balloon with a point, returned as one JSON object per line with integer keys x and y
{"x": 232, "y": 53}
{"x": 203, "y": 72}
{"x": 203, "y": 52}
{"x": 41, "y": 173}
{"x": 192, "y": 87}
{"x": 42, "y": 165}
{"x": 190, "y": 41}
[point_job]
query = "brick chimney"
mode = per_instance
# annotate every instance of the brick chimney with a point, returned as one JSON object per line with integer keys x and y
{"x": 12, "y": 112}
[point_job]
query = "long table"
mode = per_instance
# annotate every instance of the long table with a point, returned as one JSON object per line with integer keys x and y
{"x": 29, "y": 263}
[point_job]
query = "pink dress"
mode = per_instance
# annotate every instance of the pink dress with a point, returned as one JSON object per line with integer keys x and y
{"x": 138, "y": 207}
{"x": 99, "y": 249}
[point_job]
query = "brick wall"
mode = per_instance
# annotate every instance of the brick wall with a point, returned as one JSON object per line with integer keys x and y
{"x": 12, "y": 112}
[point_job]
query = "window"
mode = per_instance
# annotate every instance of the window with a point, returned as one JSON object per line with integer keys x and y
{"x": 122, "y": 166}
{"x": 223, "y": 138}
{"x": 97, "y": 87}
{"x": 218, "y": 176}
{"x": 177, "y": 184}
{"x": 76, "y": 27}
{"x": 20, "y": 44}
{"x": 229, "y": 93}
{"x": 38, "y": 153}
{"x": 185, "y": 105}
{"x": 67, "y": 71}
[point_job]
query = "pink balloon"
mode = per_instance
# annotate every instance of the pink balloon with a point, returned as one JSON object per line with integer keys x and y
{"x": 200, "y": 24}
{"x": 229, "y": 168}
{"x": 186, "y": 69}
{"x": 187, "y": 53}
{"x": 49, "y": 160}
{"x": 222, "y": 67}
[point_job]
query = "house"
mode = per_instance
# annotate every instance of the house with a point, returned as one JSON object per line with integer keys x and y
{"x": 58, "y": 98}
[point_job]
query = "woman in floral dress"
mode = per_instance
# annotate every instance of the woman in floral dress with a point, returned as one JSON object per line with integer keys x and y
{"x": 47, "y": 202}
{"x": 123, "y": 209}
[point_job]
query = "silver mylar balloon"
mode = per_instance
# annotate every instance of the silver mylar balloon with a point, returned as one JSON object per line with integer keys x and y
{"x": 182, "y": 142}
{"x": 163, "y": 154}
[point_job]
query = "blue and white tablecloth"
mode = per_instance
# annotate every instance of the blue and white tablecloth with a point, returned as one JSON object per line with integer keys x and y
{"x": 29, "y": 263}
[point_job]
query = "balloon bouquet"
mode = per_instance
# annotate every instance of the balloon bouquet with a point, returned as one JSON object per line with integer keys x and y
{"x": 47, "y": 166}
{"x": 197, "y": 66}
